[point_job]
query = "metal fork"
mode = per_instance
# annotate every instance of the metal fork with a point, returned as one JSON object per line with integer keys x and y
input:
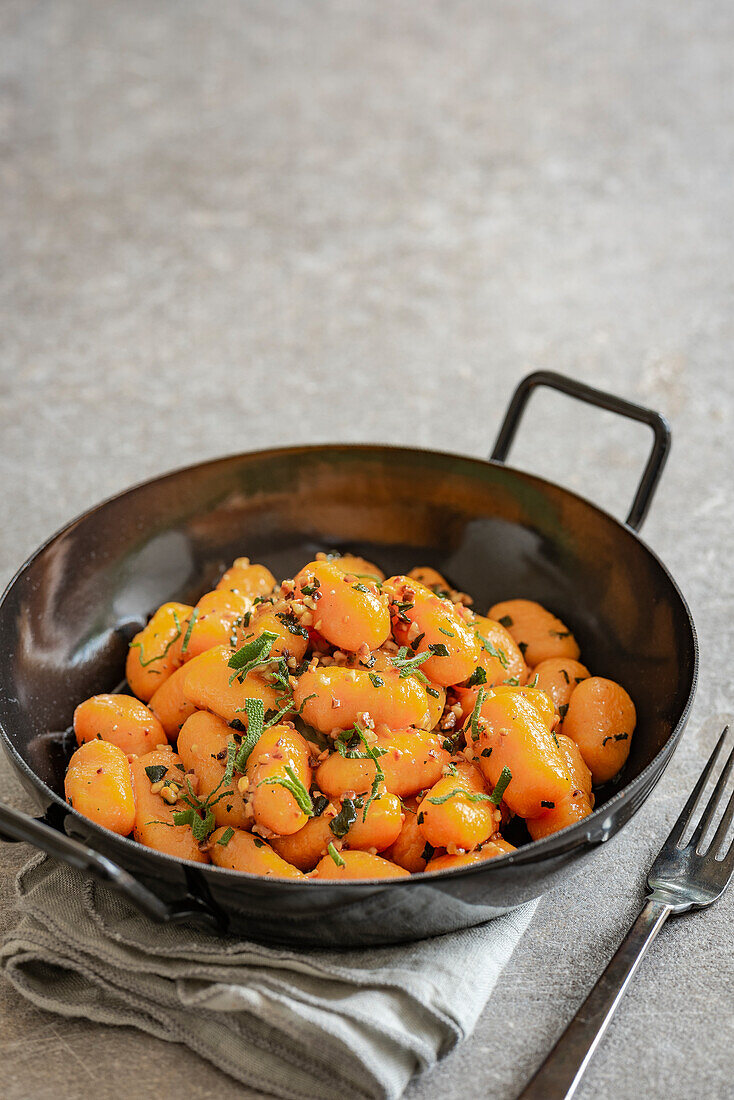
{"x": 681, "y": 878}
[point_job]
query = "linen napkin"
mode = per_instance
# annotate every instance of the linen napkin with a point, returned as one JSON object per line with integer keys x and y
{"x": 298, "y": 1024}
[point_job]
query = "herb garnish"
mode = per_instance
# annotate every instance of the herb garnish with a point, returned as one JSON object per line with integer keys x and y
{"x": 252, "y": 654}
{"x": 438, "y": 649}
{"x": 139, "y": 645}
{"x": 335, "y": 855}
{"x": 291, "y": 623}
{"x": 156, "y": 772}
{"x": 320, "y": 802}
{"x": 493, "y": 650}
{"x": 346, "y": 817}
{"x": 189, "y": 628}
{"x": 226, "y": 836}
{"x": 255, "y": 709}
{"x": 292, "y": 783}
{"x": 474, "y": 720}
{"x": 505, "y": 621}
{"x": 501, "y": 786}
{"x": 410, "y": 666}
{"x": 377, "y": 681}
{"x": 478, "y": 676}
{"x": 470, "y": 796}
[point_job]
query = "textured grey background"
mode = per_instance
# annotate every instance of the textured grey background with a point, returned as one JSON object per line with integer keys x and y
{"x": 236, "y": 224}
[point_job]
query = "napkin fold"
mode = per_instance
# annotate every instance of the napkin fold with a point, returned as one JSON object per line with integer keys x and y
{"x": 298, "y": 1024}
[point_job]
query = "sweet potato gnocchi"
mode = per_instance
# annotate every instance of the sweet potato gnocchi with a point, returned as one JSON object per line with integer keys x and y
{"x": 346, "y": 725}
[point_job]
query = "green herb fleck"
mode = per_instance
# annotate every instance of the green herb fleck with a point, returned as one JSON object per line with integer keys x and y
{"x": 501, "y": 786}
{"x": 438, "y": 649}
{"x": 478, "y": 676}
{"x": 252, "y": 654}
{"x": 474, "y": 720}
{"x": 291, "y": 623}
{"x": 156, "y": 772}
{"x": 139, "y": 645}
{"x": 293, "y": 784}
{"x": 226, "y": 836}
{"x": 335, "y": 855}
{"x": 493, "y": 650}
{"x": 410, "y": 666}
{"x": 189, "y": 628}
{"x": 255, "y": 709}
{"x": 505, "y": 621}
{"x": 346, "y": 817}
{"x": 377, "y": 681}
{"x": 320, "y": 802}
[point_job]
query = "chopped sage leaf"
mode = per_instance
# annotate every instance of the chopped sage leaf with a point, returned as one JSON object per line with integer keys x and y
{"x": 320, "y": 802}
{"x": 501, "y": 786}
{"x": 156, "y": 772}
{"x": 478, "y": 676}
{"x": 474, "y": 720}
{"x": 335, "y": 855}
{"x": 226, "y": 836}
{"x": 345, "y": 818}
{"x": 255, "y": 709}
{"x": 493, "y": 650}
{"x": 144, "y": 662}
{"x": 189, "y": 628}
{"x": 292, "y": 783}
{"x": 252, "y": 654}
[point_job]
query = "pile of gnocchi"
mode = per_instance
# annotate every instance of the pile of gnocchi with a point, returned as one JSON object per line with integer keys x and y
{"x": 345, "y": 725}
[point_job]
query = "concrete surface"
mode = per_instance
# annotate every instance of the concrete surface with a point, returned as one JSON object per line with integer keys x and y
{"x": 238, "y": 224}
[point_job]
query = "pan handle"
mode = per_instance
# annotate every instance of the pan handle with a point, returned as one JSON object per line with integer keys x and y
{"x": 603, "y": 400}
{"x": 17, "y": 826}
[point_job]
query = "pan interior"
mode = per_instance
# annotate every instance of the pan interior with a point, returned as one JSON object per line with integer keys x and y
{"x": 66, "y": 621}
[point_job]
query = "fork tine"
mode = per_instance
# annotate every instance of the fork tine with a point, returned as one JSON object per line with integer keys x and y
{"x": 718, "y": 838}
{"x": 692, "y": 804}
{"x": 713, "y": 803}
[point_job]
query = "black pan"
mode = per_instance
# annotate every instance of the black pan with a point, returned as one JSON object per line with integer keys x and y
{"x": 67, "y": 617}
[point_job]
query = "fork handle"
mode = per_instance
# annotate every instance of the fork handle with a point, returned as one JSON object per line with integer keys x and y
{"x": 560, "y": 1074}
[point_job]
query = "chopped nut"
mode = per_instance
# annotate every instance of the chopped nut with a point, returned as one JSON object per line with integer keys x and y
{"x": 156, "y": 788}
{"x": 242, "y": 784}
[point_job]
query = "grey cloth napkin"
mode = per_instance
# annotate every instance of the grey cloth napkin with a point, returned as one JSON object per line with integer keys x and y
{"x": 297, "y": 1024}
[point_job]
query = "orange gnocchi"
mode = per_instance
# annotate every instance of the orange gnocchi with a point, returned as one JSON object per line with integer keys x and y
{"x": 340, "y": 725}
